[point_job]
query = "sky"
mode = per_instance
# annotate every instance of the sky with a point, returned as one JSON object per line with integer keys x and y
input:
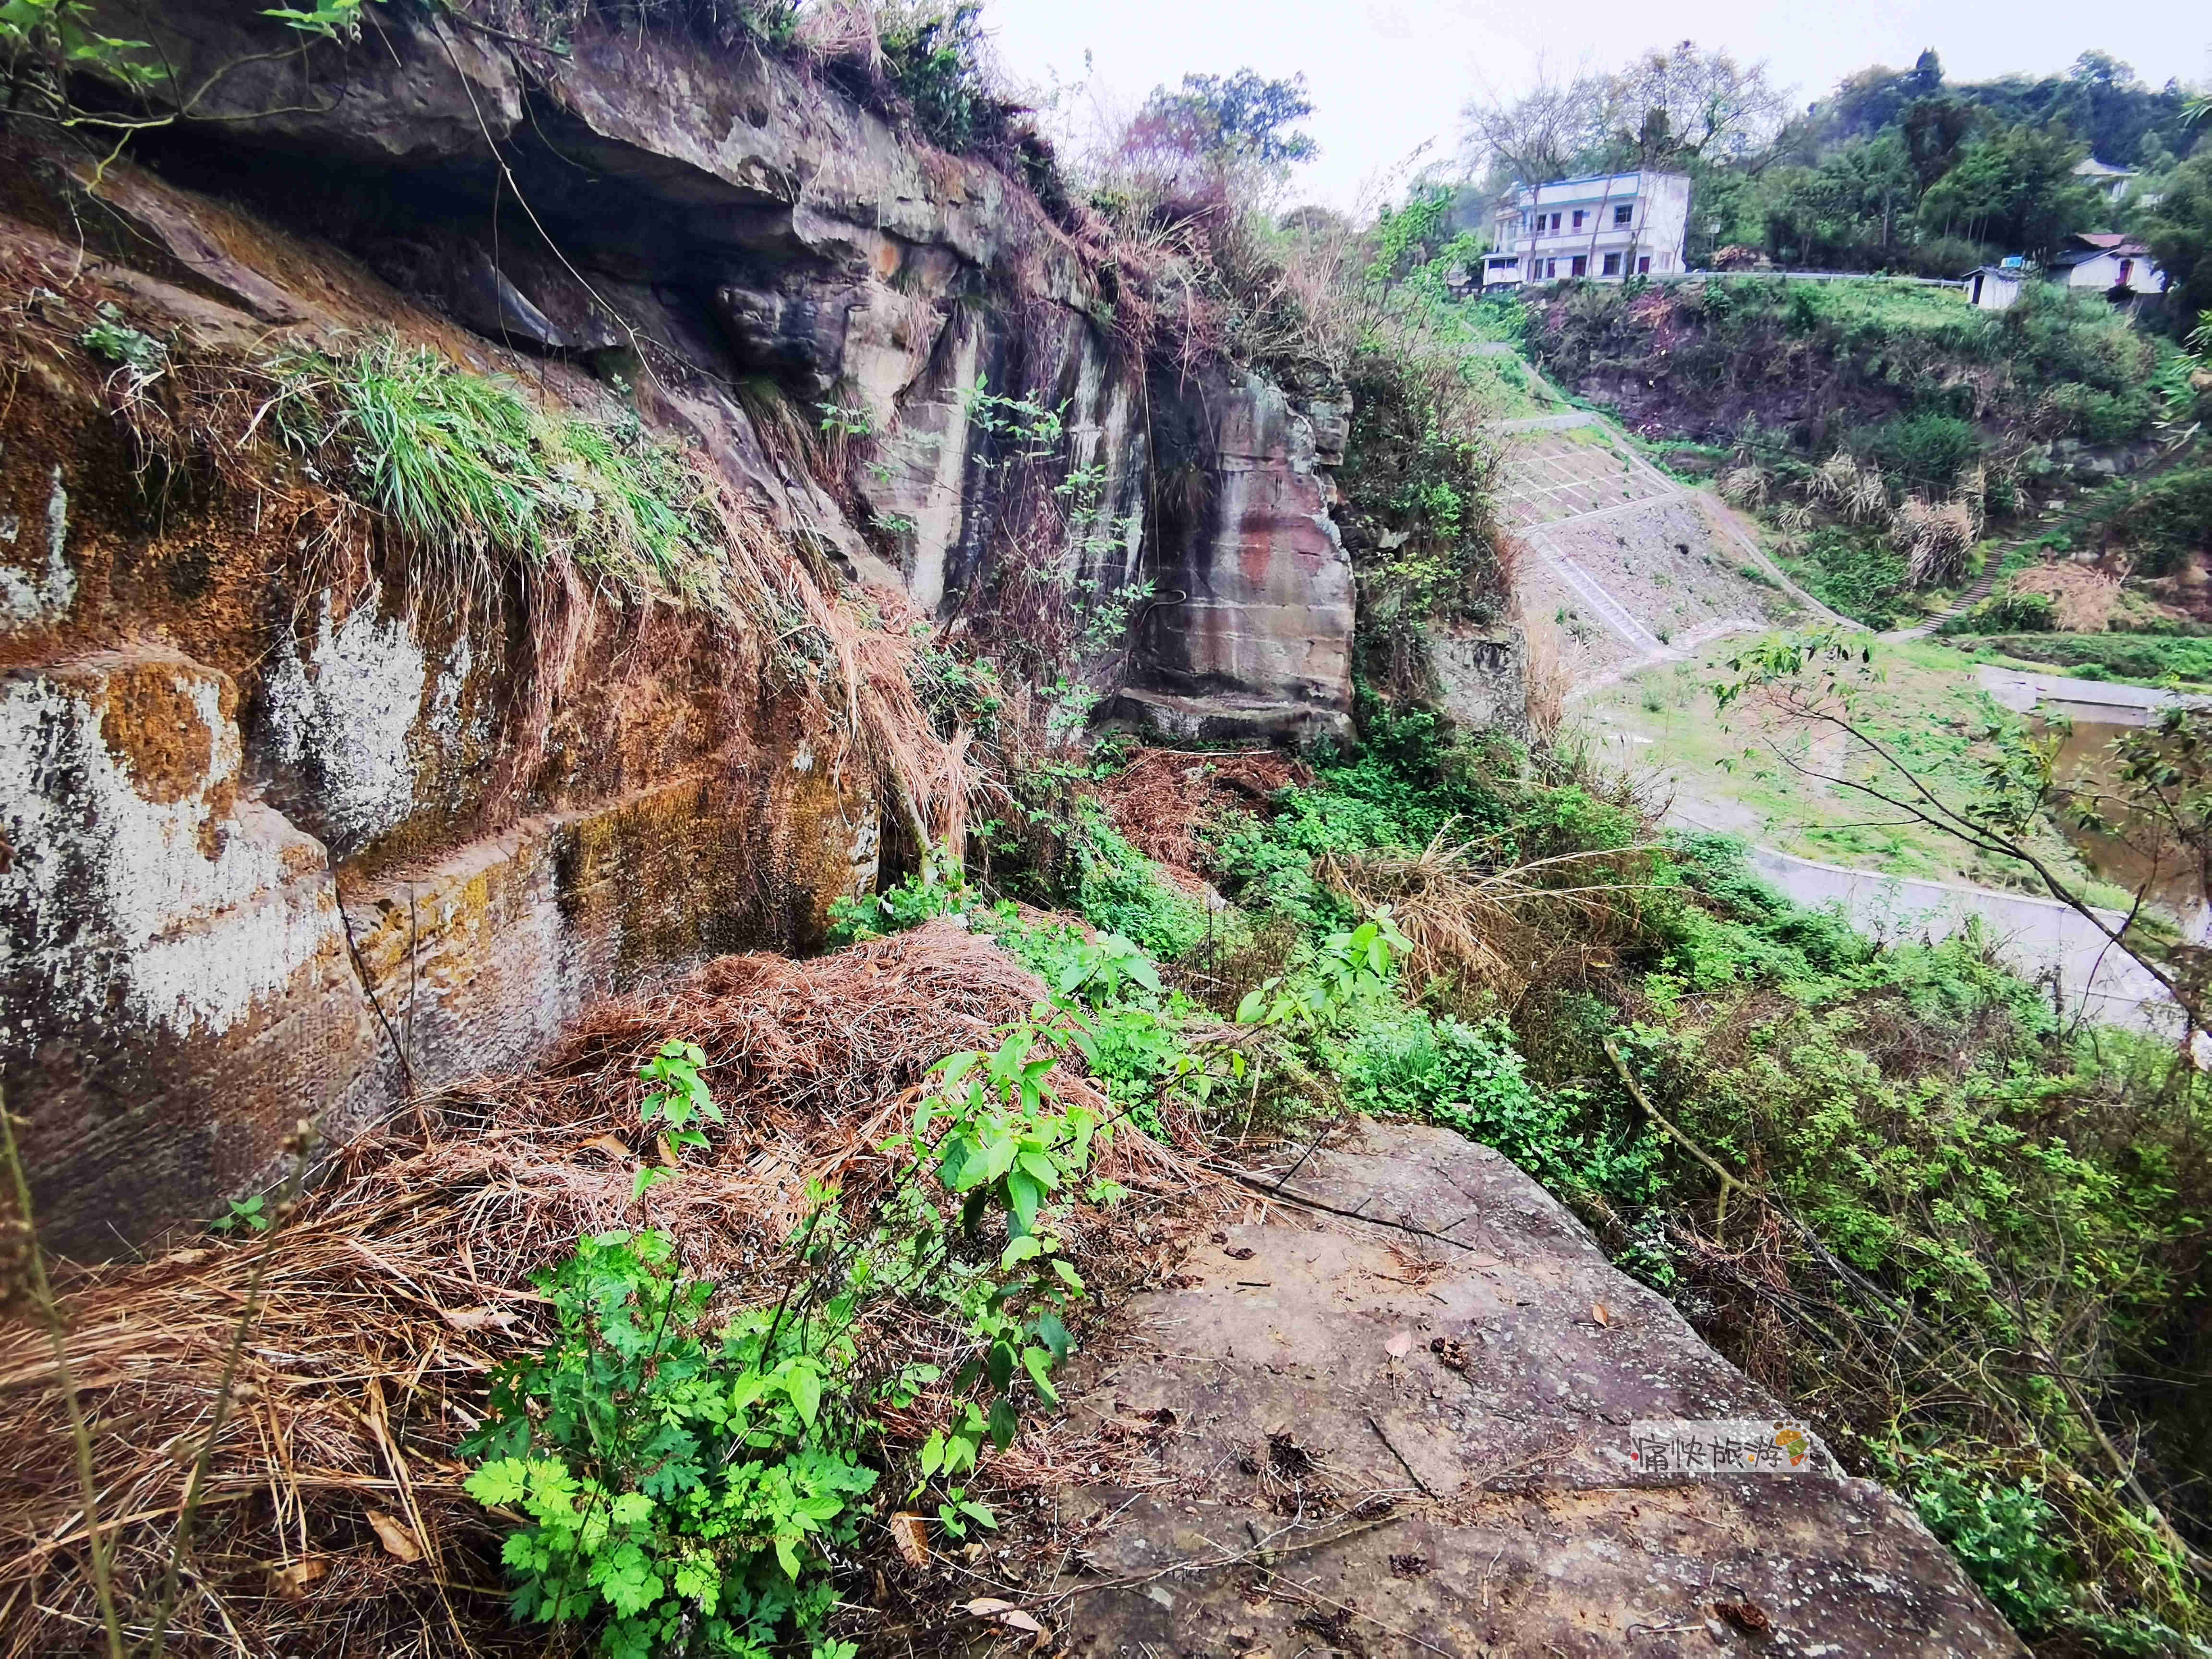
{"x": 1387, "y": 77}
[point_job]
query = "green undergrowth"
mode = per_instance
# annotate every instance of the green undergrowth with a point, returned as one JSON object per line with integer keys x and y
{"x": 1941, "y": 1197}
{"x": 1122, "y": 891}
{"x": 1855, "y": 571}
{"x": 2165, "y": 522}
{"x": 682, "y": 1472}
{"x": 1911, "y": 374}
{"x": 2144, "y": 658}
{"x": 1963, "y": 1195}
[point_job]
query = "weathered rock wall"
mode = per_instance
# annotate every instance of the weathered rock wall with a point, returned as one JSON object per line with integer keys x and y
{"x": 1250, "y": 630}
{"x": 282, "y": 828}
{"x": 293, "y": 819}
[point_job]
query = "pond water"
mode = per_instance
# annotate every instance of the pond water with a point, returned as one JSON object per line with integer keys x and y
{"x": 2137, "y": 853}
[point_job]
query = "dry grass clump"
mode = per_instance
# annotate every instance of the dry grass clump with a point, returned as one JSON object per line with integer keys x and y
{"x": 2082, "y": 600}
{"x": 1164, "y": 797}
{"x": 1551, "y": 678}
{"x": 1484, "y": 933}
{"x": 1857, "y": 489}
{"x": 332, "y": 1519}
{"x": 1935, "y": 537}
{"x": 1744, "y": 486}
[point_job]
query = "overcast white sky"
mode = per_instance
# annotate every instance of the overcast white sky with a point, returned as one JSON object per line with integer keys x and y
{"x": 1388, "y": 76}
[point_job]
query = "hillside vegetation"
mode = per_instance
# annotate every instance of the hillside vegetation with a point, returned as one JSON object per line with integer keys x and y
{"x": 1884, "y": 430}
{"x": 735, "y": 1321}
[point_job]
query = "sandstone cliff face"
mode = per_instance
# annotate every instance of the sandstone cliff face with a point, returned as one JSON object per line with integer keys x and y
{"x": 288, "y": 825}
{"x": 1250, "y": 632}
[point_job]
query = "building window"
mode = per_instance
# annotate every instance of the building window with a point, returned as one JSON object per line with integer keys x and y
{"x": 1578, "y": 219}
{"x": 1624, "y": 213}
{"x": 2127, "y": 272}
{"x": 1555, "y": 221}
{"x": 1551, "y": 267}
{"x": 1643, "y": 265}
{"x": 1582, "y": 265}
{"x": 1613, "y": 265}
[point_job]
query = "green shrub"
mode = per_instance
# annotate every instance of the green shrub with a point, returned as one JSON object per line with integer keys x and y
{"x": 938, "y": 888}
{"x": 679, "y": 1482}
{"x": 2007, "y": 613}
{"x": 2001, "y": 1535}
{"x": 2171, "y": 519}
{"x": 2150, "y": 659}
{"x": 1121, "y": 891}
{"x": 1400, "y": 1062}
{"x": 1417, "y": 478}
{"x": 1858, "y": 573}
{"x": 1925, "y": 450}
{"x": 932, "y": 50}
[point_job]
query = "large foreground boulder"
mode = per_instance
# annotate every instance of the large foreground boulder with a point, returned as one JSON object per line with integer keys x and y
{"x": 1394, "y": 1417}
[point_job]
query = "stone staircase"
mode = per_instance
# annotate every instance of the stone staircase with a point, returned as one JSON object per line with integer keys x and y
{"x": 1981, "y": 586}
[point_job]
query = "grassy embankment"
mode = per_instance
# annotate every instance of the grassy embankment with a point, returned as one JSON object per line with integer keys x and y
{"x": 1740, "y": 774}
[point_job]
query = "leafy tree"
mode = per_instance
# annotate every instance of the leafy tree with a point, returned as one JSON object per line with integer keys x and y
{"x": 1850, "y": 210}
{"x": 1933, "y": 130}
{"x": 2179, "y": 235}
{"x": 2107, "y": 103}
{"x": 1864, "y": 103}
{"x": 2100, "y": 100}
{"x": 1236, "y": 118}
{"x": 1195, "y": 137}
{"x": 2015, "y": 186}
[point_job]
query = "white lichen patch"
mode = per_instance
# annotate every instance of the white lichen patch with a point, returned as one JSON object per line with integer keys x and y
{"x": 119, "y": 909}
{"x": 346, "y": 714}
{"x": 45, "y": 596}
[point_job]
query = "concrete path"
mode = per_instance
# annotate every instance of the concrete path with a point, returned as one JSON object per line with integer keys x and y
{"x": 1573, "y": 417}
{"x": 2105, "y": 701}
{"x": 1393, "y": 1418}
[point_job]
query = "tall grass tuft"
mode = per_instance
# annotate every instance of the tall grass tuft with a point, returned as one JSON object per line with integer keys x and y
{"x": 462, "y": 468}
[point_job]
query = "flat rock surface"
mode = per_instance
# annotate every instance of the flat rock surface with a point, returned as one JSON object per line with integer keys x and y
{"x": 1396, "y": 1420}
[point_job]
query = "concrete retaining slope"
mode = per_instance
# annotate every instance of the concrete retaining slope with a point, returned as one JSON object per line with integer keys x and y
{"x": 1409, "y": 1434}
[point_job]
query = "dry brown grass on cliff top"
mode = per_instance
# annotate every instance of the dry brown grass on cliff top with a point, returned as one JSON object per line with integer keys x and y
{"x": 333, "y": 1519}
{"x": 1164, "y": 797}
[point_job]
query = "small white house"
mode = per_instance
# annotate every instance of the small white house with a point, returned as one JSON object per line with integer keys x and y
{"x": 2107, "y": 262}
{"x": 2109, "y": 181}
{"x": 1608, "y": 228}
{"x": 1993, "y": 287}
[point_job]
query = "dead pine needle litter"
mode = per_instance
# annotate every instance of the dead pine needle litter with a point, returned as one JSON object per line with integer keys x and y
{"x": 332, "y": 1519}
